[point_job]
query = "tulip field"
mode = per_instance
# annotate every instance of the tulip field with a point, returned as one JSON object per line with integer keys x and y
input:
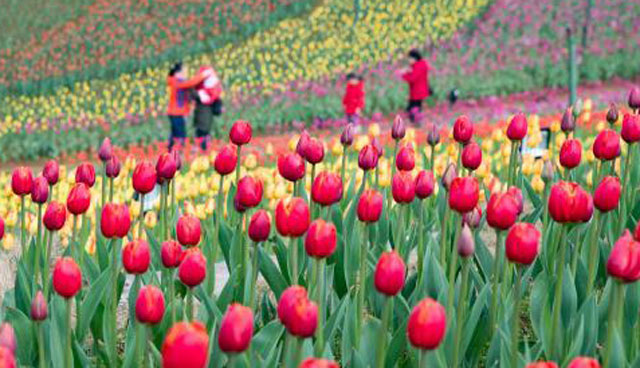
{"x": 394, "y": 247}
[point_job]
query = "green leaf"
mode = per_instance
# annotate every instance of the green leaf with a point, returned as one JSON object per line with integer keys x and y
{"x": 272, "y": 276}
{"x": 25, "y": 336}
{"x": 266, "y": 340}
{"x": 397, "y": 346}
{"x": 91, "y": 302}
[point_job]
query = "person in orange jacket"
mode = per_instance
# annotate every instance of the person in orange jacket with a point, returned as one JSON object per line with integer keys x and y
{"x": 417, "y": 76}
{"x": 353, "y": 100}
{"x": 179, "y": 102}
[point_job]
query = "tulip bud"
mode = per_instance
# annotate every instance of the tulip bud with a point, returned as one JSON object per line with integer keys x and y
{"x": 67, "y": 277}
{"x": 291, "y": 166}
{"x": 249, "y": 192}
{"x": 115, "y": 220}
{"x": 314, "y": 152}
{"x": 297, "y": 313}
{"x": 226, "y": 160}
{"x": 464, "y": 194}
{"x": 634, "y": 98}
{"x": 466, "y": 243}
{"x": 427, "y": 324}
{"x": 193, "y": 268}
{"x": 51, "y": 172}
{"x": 630, "y": 131}
{"x": 568, "y": 123}
{"x": 449, "y": 174}
{"x": 547, "y": 171}
{"x": 424, "y": 184}
{"x": 473, "y": 217}
{"x": 569, "y": 203}
{"x": 292, "y": 217}
{"x": 171, "y": 254}
{"x": 433, "y": 138}
{"x": 471, "y": 156}
{"x": 260, "y": 226}
{"x": 21, "y": 181}
{"x": 150, "y": 305}
{"x": 136, "y": 257}
{"x": 144, "y": 177}
{"x": 79, "y": 199}
{"x": 584, "y": 362}
{"x": 113, "y": 167}
{"x": 86, "y": 173}
{"x": 106, "y": 150}
{"x": 8, "y": 337}
{"x": 236, "y": 329}
{"x": 188, "y": 230}
{"x": 398, "y": 129}
{"x": 570, "y": 153}
{"x": 240, "y": 133}
{"x": 462, "y": 130}
{"x": 54, "y": 216}
{"x": 405, "y": 159}
{"x": 166, "y": 166}
{"x": 517, "y": 129}
{"x": 612, "y": 114}
{"x": 185, "y": 345}
{"x": 522, "y": 243}
{"x": 607, "y": 194}
{"x": 321, "y": 239}
{"x": 624, "y": 259}
{"x": 403, "y": 187}
{"x": 39, "y": 309}
{"x": 390, "y": 274}
{"x": 368, "y": 158}
{"x": 606, "y": 146}
{"x": 40, "y": 190}
{"x": 326, "y": 189}
{"x": 346, "y": 138}
{"x": 318, "y": 363}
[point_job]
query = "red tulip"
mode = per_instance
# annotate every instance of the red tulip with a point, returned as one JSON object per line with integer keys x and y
{"x": 370, "y": 206}
{"x": 288, "y": 300}
{"x": 403, "y": 187}
{"x": 466, "y": 245}
{"x": 569, "y": 203}
{"x": 236, "y": 329}
{"x": 517, "y": 129}
{"x": 106, "y": 150}
{"x": 186, "y": 345}
{"x": 188, "y": 230}
{"x": 39, "y": 309}
{"x": 40, "y": 190}
{"x": 260, "y": 226}
{"x": 473, "y": 217}
{"x": 8, "y": 337}
{"x": 634, "y": 98}
{"x": 303, "y": 142}
{"x": 237, "y": 205}
{"x": 86, "y": 173}
{"x": 502, "y": 211}
{"x": 606, "y": 146}
{"x": 427, "y": 324}
{"x": 318, "y": 363}
{"x": 516, "y": 193}
{"x": 249, "y": 192}
{"x": 624, "y": 259}
{"x": 292, "y": 217}
{"x": 113, "y": 167}
{"x": 568, "y": 122}
{"x": 398, "y": 129}
{"x": 54, "y": 216}
{"x": 464, "y": 194}
{"x": 136, "y": 257}
{"x": 226, "y": 160}
{"x": 193, "y": 268}
{"x": 291, "y": 166}
{"x": 424, "y": 184}
{"x": 612, "y": 114}
{"x": 368, "y": 158}
{"x": 471, "y": 156}
{"x": 570, "y": 153}
{"x": 321, "y": 239}
{"x": 542, "y": 365}
{"x": 607, "y": 194}
{"x": 389, "y": 274}
{"x": 144, "y": 177}
{"x": 405, "y": 159}
{"x": 7, "y": 359}
{"x": 67, "y": 277}
{"x": 462, "y": 130}
{"x": 178, "y": 158}
{"x": 297, "y": 313}
{"x": 240, "y": 133}
{"x": 166, "y": 166}
{"x": 171, "y": 254}
{"x": 326, "y": 189}
{"x": 21, "y": 181}
{"x": 314, "y": 152}
{"x": 51, "y": 172}
{"x": 522, "y": 243}
{"x": 150, "y": 305}
{"x": 584, "y": 362}
{"x": 630, "y": 128}
{"x": 115, "y": 221}
{"x": 79, "y": 199}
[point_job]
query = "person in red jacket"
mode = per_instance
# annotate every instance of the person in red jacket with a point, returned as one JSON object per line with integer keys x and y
{"x": 179, "y": 101}
{"x": 353, "y": 100}
{"x": 417, "y": 76}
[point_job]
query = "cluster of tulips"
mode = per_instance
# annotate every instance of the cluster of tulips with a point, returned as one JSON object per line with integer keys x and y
{"x": 354, "y": 272}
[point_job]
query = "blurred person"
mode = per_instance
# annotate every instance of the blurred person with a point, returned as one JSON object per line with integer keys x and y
{"x": 417, "y": 76}
{"x": 207, "y": 105}
{"x": 179, "y": 102}
{"x": 353, "y": 100}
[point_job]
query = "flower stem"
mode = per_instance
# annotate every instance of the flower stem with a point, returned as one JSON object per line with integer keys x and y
{"x": 254, "y": 276}
{"x": 593, "y": 250}
{"x": 343, "y": 168}
{"x": 45, "y": 272}
{"x": 421, "y": 245}
{"x": 114, "y": 298}
{"x": 38, "y": 251}
{"x": 41, "y": 356}
{"x": 68, "y": 359}
{"x": 238, "y": 165}
{"x": 320, "y": 278}
{"x": 615, "y": 303}
{"x": 557, "y": 306}
{"x": 141, "y": 218}
{"x": 360, "y": 284}
{"x": 516, "y": 318}
{"x": 141, "y": 340}
{"x": 461, "y": 310}
{"x": 189, "y": 306}
{"x": 495, "y": 280}
{"x": 172, "y": 294}
{"x": 22, "y": 233}
{"x": 293, "y": 254}
{"x": 452, "y": 271}
{"x": 382, "y": 338}
{"x": 443, "y": 236}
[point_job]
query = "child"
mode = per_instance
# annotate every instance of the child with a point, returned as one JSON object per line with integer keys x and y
{"x": 417, "y": 77}
{"x": 208, "y": 105}
{"x": 353, "y": 101}
{"x": 179, "y": 104}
